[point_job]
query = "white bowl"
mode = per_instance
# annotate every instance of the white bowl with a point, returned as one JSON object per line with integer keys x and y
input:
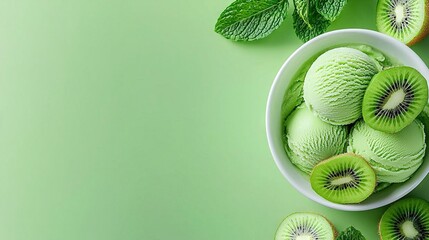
{"x": 390, "y": 47}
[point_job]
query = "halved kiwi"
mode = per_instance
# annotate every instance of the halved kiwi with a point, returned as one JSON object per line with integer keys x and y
{"x": 405, "y": 20}
{"x": 407, "y": 219}
{"x": 345, "y": 178}
{"x": 394, "y": 98}
{"x": 305, "y": 226}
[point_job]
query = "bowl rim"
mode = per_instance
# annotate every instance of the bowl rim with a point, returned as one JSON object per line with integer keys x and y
{"x": 274, "y": 151}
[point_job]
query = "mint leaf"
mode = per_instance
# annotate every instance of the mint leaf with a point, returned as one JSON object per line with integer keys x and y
{"x": 330, "y": 9}
{"x": 318, "y": 24}
{"x": 351, "y": 234}
{"x": 248, "y": 20}
{"x": 301, "y": 7}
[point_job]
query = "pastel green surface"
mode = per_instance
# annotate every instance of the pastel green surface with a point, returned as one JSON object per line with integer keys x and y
{"x": 336, "y": 82}
{"x": 394, "y": 156}
{"x": 311, "y": 140}
{"x": 129, "y": 119}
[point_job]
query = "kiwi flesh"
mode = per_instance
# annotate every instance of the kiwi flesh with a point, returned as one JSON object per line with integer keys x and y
{"x": 310, "y": 226}
{"x": 394, "y": 98}
{"x": 407, "y": 219}
{"x": 405, "y": 20}
{"x": 345, "y": 178}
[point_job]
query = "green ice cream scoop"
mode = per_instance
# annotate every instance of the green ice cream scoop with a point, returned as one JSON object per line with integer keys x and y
{"x": 336, "y": 82}
{"x": 394, "y": 156}
{"x": 309, "y": 140}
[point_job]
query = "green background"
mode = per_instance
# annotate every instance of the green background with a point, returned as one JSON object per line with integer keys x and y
{"x": 132, "y": 119}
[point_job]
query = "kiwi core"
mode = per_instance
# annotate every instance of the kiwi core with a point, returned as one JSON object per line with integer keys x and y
{"x": 304, "y": 234}
{"x": 395, "y": 99}
{"x": 399, "y": 13}
{"x": 306, "y": 237}
{"x": 408, "y": 229}
{"x": 342, "y": 180}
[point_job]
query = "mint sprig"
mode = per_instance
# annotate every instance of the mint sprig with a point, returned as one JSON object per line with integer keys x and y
{"x": 248, "y": 20}
{"x": 330, "y": 9}
{"x": 302, "y": 9}
{"x": 317, "y": 23}
{"x": 351, "y": 233}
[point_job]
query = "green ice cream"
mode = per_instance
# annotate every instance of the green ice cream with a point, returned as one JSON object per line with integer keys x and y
{"x": 294, "y": 94}
{"x": 336, "y": 82}
{"x": 309, "y": 140}
{"x": 394, "y": 157}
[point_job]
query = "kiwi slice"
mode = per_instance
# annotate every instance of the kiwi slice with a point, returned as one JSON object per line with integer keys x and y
{"x": 405, "y": 20}
{"x": 407, "y": 219}
{"x": 305, "y": 226}
{"x": 345, "y": 178}
{"x": 394, "y": 98}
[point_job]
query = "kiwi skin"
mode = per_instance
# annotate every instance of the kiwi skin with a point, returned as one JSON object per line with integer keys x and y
{"x": 334, "y": 230}
{"x": 379, "y": 230}
{"x": 425, "y": 29}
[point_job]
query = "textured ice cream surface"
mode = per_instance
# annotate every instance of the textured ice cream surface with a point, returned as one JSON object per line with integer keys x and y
{"x": 336, "y": 82}
{"x": 309, "y": 140}
{"x": 394, "y": 157}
